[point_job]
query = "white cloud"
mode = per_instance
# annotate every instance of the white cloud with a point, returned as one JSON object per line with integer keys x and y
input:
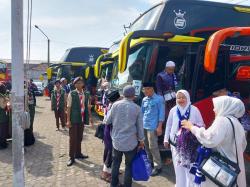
{"x": 4, "y": 4}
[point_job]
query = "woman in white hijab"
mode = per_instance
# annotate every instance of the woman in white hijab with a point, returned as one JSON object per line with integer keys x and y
{"x": 219, "y": 135}
{"x": 184, "y": 150}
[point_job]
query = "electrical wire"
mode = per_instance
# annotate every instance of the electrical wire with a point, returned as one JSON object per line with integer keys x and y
{"x": 29, "y": 21}
{"x": 27, "y": 36}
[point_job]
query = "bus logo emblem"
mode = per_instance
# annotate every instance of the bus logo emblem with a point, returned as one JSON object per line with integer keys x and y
{"x": 91, "y": 58}
{"x": 179, "y": 20}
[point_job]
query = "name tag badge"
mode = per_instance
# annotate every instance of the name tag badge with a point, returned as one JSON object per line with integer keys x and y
{"x": 224, "y": 177}
{"x": 211, "y": 168}
{"x": 169, "y": 96}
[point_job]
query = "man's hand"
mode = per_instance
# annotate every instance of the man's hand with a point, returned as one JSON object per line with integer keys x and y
{"x": 166, "y": 145}
{"x": 68, "y": 125}
{"x": 140, "y": 145}
{"x": 159, "y": 131}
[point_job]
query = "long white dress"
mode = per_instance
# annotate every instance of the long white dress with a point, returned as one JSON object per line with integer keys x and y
{"x": 183, "y": 177}
{"x": 220, "y": 137}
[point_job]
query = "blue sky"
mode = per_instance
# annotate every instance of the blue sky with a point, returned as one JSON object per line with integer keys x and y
{"x": 71, "y": 23}
{"x": 74, "y": 23}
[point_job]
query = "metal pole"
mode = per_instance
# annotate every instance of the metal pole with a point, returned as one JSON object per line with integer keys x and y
{"x": 48, "y": 42}
{"x": 48, "y": 52}
{"x": 17, "y": 94}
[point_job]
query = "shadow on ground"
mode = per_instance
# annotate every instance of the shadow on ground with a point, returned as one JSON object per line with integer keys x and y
{"x": 38, "y": 159}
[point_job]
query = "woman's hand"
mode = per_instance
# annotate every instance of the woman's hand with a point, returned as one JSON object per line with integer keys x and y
{"x": 166, "y": 145}
{"x": 186, "y": 124}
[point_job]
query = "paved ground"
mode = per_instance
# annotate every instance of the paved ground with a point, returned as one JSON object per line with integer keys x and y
{"x": 45, "y": 161}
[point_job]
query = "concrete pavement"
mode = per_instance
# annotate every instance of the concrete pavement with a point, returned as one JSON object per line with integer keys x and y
{"x": 45, "y": 161}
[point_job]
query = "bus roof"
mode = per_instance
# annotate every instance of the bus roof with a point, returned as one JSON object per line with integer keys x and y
{"x": 183, "y": 16}
{"x": 82, "y": 54}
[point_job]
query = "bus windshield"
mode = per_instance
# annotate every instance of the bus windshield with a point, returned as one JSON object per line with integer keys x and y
{"x": 107, "y": 71}
{"x": 69, "y": 71}
{"x": 136, "y": 66}
{"x": 148, "y": 20}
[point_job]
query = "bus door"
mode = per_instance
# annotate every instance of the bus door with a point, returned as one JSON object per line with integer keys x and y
{"x": 184, "y": 58}
{"x": 205, "y": 84}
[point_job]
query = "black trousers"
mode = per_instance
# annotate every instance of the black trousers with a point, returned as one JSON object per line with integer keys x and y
{"x": 107, "y": 157}
{"x": 117, "y": 159}
{"x": 3, "y": 135}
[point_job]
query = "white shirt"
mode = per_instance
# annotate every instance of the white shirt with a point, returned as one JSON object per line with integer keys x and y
{"x": 172, "y": 125}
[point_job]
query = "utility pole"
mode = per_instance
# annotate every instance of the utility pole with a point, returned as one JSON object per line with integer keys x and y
{"x": 17, "y": 94}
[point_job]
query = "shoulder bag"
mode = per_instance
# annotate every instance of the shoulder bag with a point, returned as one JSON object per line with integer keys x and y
{"x": 220, "y": 169}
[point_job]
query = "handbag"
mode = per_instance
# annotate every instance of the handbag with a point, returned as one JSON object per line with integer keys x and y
{"x": 220, "y": 169}
{"x": 99, "y": 132}
{"x": 173, "y": 142}
{"x": 25, "y": 120}
{"x": 141, "y": 166}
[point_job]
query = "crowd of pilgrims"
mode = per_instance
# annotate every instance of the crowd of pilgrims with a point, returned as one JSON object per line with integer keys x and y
{"x": 164, "y": 111}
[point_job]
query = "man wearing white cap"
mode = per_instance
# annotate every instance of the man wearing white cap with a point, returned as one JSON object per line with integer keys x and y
{"x": 166, "y": 83}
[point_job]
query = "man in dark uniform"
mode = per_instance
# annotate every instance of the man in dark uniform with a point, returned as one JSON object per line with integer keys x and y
{"x": 58, "y": 100}
{"x": 78, "y": 115}
{"x": 3, "y": 116}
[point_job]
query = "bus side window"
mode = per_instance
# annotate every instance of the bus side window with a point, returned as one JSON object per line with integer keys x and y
{"x": 114, "y": 76}
{"x": 210, "y": 82}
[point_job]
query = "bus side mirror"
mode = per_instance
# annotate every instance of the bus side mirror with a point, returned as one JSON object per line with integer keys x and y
{"x": 97, "y": 66}
{"x": 49, "y": 73}
{"x": 123, "y": 52}
{"x": 243, "y": 73}
{"x": 87, "y": 73}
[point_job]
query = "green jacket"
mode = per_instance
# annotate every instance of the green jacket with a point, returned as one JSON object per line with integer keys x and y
{"x": 61, "y": 101}
{"x": 75, "y": 114}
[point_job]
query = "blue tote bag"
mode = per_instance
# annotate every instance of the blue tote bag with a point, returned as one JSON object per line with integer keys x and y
{"x": 141, "y": 167}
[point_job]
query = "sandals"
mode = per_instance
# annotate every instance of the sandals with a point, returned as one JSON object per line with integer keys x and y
{"x": 106, "y": 176}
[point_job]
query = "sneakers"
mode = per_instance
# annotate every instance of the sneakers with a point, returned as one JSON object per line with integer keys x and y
{"x": 106, "y": 176}
{"x": 156, "y": 172}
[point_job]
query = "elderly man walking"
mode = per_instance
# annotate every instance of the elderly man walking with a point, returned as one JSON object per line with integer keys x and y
{"x": 127, "y": 134}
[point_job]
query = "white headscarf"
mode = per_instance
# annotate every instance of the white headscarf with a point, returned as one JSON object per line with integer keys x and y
{"x": 228, "y": 106}
{"x": 183, "y": 109}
